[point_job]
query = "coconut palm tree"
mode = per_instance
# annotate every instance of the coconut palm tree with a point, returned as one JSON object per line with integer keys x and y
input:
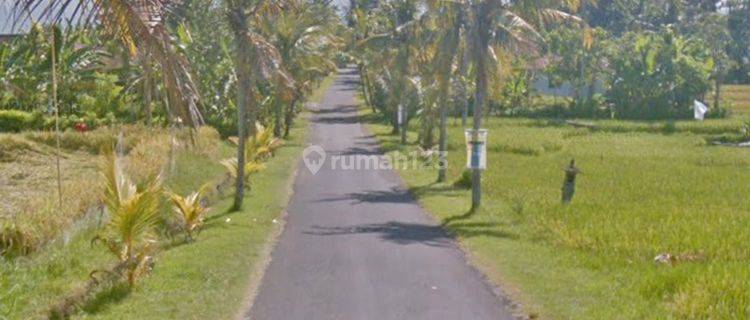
{"x": 256, "y": 59}
{"x": 396, "y": 46}
{"x": 446, "y": 21}
{"x": 463, "y": 33}
{"x": 488, "y": 26}
{"x": 138, "y": 24}
{"x": 306, "y": 42}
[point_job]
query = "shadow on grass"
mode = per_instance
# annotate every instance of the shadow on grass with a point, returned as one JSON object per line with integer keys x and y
{"x": 435, "y": 188}
{"x": 103, "y": 299}
{"x": 219, "y": 216}
{"x": 453, "y": 220}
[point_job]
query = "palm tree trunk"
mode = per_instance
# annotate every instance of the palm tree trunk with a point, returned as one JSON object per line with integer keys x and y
{"x": 365, "y": 83}
{"x": 147, "y": 90}
{"x": 464, "y": 113}
{"x": 245, "y": 87}
{"x": 451, "y": 44}
{"x": 442, "y": 143}
{"x": 289, "y": 117}
{"x": 429, "y": 131}
{"x": 277, "y": 119}
{"x": 243, "y": 90}
{"x": 481, "y": 41}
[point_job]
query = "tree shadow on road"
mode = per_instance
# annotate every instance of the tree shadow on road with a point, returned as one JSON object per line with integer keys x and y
{"x": 410, "y": 233}
{"x": 407, "y": 233}
{"x": 394, "y": 195}
{"x": 397, "y": 232}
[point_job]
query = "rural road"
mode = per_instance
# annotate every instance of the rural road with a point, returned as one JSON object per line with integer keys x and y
{"x": 357, "y": 246}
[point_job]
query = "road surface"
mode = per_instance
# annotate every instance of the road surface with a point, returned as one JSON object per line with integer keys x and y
{"x": 357, "y": 246}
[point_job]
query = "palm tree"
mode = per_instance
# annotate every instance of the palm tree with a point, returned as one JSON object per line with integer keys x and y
{"x": 139, "y": 27}
{"x": 305, "y": 39}
{"x": 396, "y": 47}
{"x": 490, "y": 25}
{"x": 255, "y": 59}
{"x": 447, "y": 31}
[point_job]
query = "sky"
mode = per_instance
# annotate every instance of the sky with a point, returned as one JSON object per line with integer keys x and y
{"x": 6, "y": 24}
{"x": 6, "y": 18}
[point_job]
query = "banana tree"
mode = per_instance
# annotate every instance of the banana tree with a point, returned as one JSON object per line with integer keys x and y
{"x": 139, "y": 26}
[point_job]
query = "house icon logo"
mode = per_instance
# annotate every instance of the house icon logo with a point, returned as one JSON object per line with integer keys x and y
{"x": 314, "y": 157}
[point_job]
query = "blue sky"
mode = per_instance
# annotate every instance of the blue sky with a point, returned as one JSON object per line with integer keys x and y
{"x": 6, "y": 6}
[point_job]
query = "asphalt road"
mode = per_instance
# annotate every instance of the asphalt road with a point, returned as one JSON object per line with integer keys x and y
{"x": 357, "y": 246}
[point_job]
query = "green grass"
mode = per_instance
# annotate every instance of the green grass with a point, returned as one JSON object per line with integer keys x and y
{"x": 643, "y": 192}
{"x": 208, "y": 279}
{"x": 33, "y": 283}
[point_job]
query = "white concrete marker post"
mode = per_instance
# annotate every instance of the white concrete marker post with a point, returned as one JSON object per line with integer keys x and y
{"x": 476, "y": 151}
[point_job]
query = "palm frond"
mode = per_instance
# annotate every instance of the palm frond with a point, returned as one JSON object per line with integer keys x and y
{"x": 189, "y": 209}
{"x": 133, "y": 216}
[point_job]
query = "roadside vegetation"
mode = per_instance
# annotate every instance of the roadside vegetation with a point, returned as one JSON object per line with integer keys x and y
{"x": 599, "y": 94}
{"x": 123, "y": 136}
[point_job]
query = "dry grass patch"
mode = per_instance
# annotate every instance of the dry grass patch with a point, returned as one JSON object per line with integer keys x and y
{"x": 30, "y": 215}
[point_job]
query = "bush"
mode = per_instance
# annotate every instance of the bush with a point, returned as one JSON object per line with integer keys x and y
{"x": 90, "y": 119}
{"x": 464, "y": 181}
{"x": 15, "y": 121}
{"x": 658, "y": 75}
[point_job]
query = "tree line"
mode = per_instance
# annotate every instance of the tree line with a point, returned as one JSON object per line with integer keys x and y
{"x": 422, "y": 60}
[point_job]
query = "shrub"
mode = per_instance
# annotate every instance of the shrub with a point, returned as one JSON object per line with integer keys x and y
{"x": 189, "y": 210}
{"x": 149, "y": 157}
{"x": 16, "y": 240}
{"x": 91, "y": 142}
{"x": 464, "y": 181}
{"x": 658, "y": 75}
{"x": 251, "y": 167}
{"x": 10, "y": 146}
{"x": 207, "y": 140}
{"x": 15, "y": 121}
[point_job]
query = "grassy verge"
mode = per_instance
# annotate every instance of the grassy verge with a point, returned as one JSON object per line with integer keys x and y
{"x": 206, "y": 279}
{"x": 642, "y": 193}
{"x": 209, "y": 279}
{"x": 33, "y": 283}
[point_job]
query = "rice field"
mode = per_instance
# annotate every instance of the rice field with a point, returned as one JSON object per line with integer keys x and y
{"x": 31, "y": 215}
{"x": 739, "y": 97}
{"x": 643, "y": 192}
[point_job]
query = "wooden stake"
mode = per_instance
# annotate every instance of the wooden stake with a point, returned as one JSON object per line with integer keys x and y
{"x": 569, "y": 184}
{"x": 53, "y": 50}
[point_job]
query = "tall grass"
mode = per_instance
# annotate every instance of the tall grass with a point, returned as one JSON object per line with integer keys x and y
{"x": 58, "y": 275}
{"x": 30, "y": 216}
